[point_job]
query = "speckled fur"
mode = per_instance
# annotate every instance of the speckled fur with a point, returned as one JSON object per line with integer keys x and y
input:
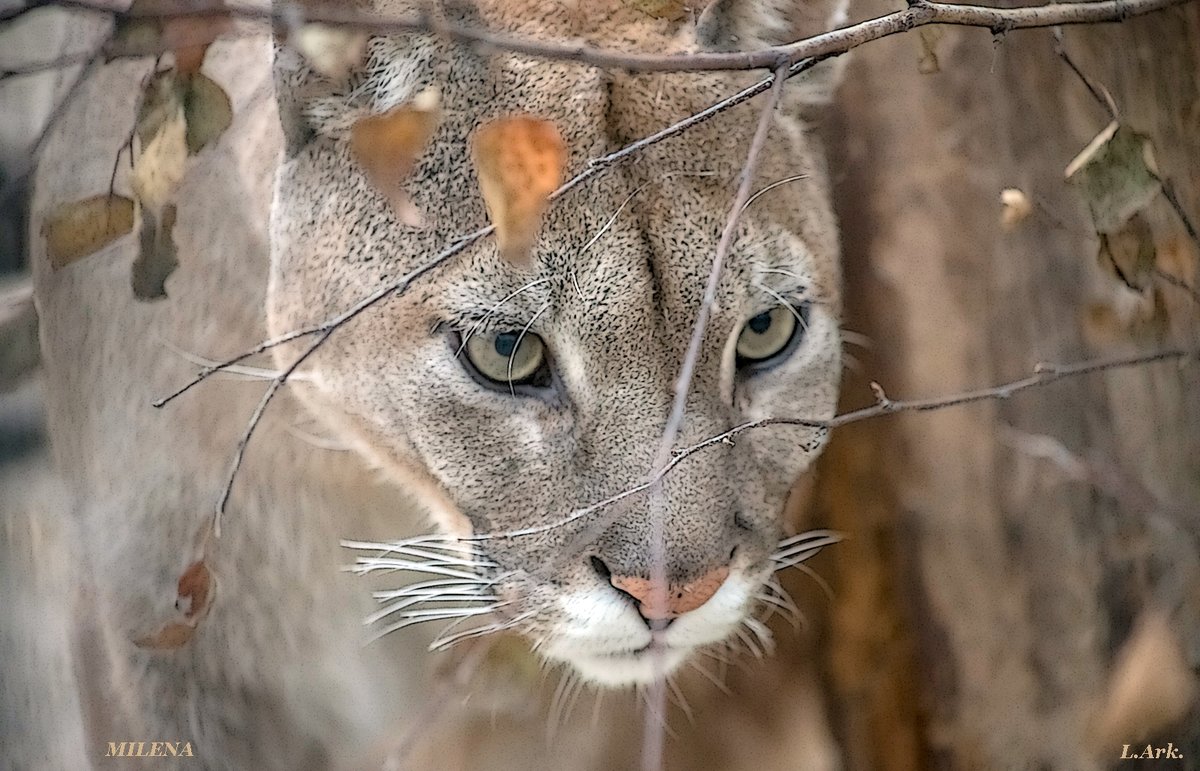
{"x": 277, "y": 677}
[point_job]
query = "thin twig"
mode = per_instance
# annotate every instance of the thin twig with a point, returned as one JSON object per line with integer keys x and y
{"x": 594, "y": 167}
{"x": 652, "y": 749}
{"x": 1043, "y": 374}
{"x": 919, "y": 13}
{"x": 252, "y": 424}
{"x": 328, "y": 325}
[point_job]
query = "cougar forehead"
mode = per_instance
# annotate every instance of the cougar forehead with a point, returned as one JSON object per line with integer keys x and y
{"x": 614, "y": 285}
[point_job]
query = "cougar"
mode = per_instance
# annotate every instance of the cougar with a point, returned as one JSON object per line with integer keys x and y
{"x": 477, "y": 417}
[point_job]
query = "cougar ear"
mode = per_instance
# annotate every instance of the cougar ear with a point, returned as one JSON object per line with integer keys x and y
{"x": 743, "y": 25}
{"x": 307, "y": 94}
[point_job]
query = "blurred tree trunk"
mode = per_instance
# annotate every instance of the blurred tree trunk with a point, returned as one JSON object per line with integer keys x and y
{"x": 1003, "y": 553}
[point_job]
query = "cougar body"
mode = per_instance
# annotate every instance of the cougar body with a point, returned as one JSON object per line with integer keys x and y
{"x": 386, "y": 431}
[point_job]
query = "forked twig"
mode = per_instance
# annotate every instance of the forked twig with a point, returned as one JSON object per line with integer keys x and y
{"x": 1043, "y": 374}
{"x": 919, "y": 13}
{"x": 652, "y": 749}
{"x": 594, "y": 167}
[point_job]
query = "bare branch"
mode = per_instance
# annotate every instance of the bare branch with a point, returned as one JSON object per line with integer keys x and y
{"x": 252, "y": 424}
{"x": 594, "y": 167}
{"x": 919, "y": 13}
{"x": 1043, "y": 374}
{"x": 330, "y": 324}
{"x": 653, "y": 748}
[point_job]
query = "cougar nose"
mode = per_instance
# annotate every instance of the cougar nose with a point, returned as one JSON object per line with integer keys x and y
{"x": 677, "y": 600}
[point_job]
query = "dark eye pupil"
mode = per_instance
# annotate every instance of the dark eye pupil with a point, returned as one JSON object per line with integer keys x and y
{"x": 760, "y": 323}
{"x": 506, "y": 343}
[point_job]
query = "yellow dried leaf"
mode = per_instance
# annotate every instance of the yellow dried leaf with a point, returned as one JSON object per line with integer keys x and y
{"x": 162, "y": 130}
{"x": 332, "y": 51}
{"x": 77, "y": 229}
{"x": 387, "y": 147}
{"x": 520, "y": 162}
{"x": 170, "y": 637}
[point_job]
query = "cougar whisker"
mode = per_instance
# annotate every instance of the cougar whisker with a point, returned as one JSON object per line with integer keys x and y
{"x": 710, "y": 677}
{"x": 478, "y": 325}
{"x": 679, "y": 699}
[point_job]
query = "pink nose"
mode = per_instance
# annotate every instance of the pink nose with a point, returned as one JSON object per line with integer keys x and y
{"x": 677, "y": 600}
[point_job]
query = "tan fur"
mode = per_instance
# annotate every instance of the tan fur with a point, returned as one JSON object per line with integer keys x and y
{"x": 277, "y": 676}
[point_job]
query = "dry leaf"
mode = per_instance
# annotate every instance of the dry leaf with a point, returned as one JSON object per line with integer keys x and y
{"x": 157, "y": 172}
{"x": 162, "y": 131}
{"x": 75, "y": 230}
{"x": 148, "y": 30}
{"x": 1015, "y": 207}
{"x": 157, "y": 257}
{"x": 207, "y": 112}
{"x": 1150, "y": 689}
{"x": 193, "y": 597}
{"x": 1115, "y": 175}
{"x": 332, "y": 51}
{"x": 520, "y": 162}
{"x": 387, "y": 147}
{"x": 1129, "y": 252}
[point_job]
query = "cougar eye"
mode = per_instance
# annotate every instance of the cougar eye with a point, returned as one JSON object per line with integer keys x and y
{"x": 771, "y": 335}
{"x": 508, "y": 358}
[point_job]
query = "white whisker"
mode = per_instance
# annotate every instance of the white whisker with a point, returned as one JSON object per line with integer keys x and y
{"x": 366, "y": 565}
{"x": 517, "y": 346}
{"x": 858, "y": 339}
{"x": 396, "y": 607}
{"x": 748, "y": 642}
{"x": 478, "y": 325}
{"x": 816, "y": 577}
{"x": 772, "y": 186}
{"x": 438, "y": 584}
{"x": 832, "y": 536}
{"x": 710, "y": 677}
{"x": 234, "y": 371}
{"x": 678, "y": 698}
{"x": 762, "y": 633}
{"x": 444, "y": 641}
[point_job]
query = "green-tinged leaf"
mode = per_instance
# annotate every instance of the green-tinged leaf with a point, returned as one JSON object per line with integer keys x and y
{"x": 1115, "y": 175}
{"x": 207, "y": 110}
{"x": 157, "y": 258}
{"x": 162, "y": 100}
{"x": 75, "y": 230}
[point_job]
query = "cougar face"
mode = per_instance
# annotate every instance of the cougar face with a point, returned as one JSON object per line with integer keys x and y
{"x": 511, "y": 397}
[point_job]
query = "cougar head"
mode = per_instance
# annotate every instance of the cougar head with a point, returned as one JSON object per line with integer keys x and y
{"x": 509, "y": 397}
